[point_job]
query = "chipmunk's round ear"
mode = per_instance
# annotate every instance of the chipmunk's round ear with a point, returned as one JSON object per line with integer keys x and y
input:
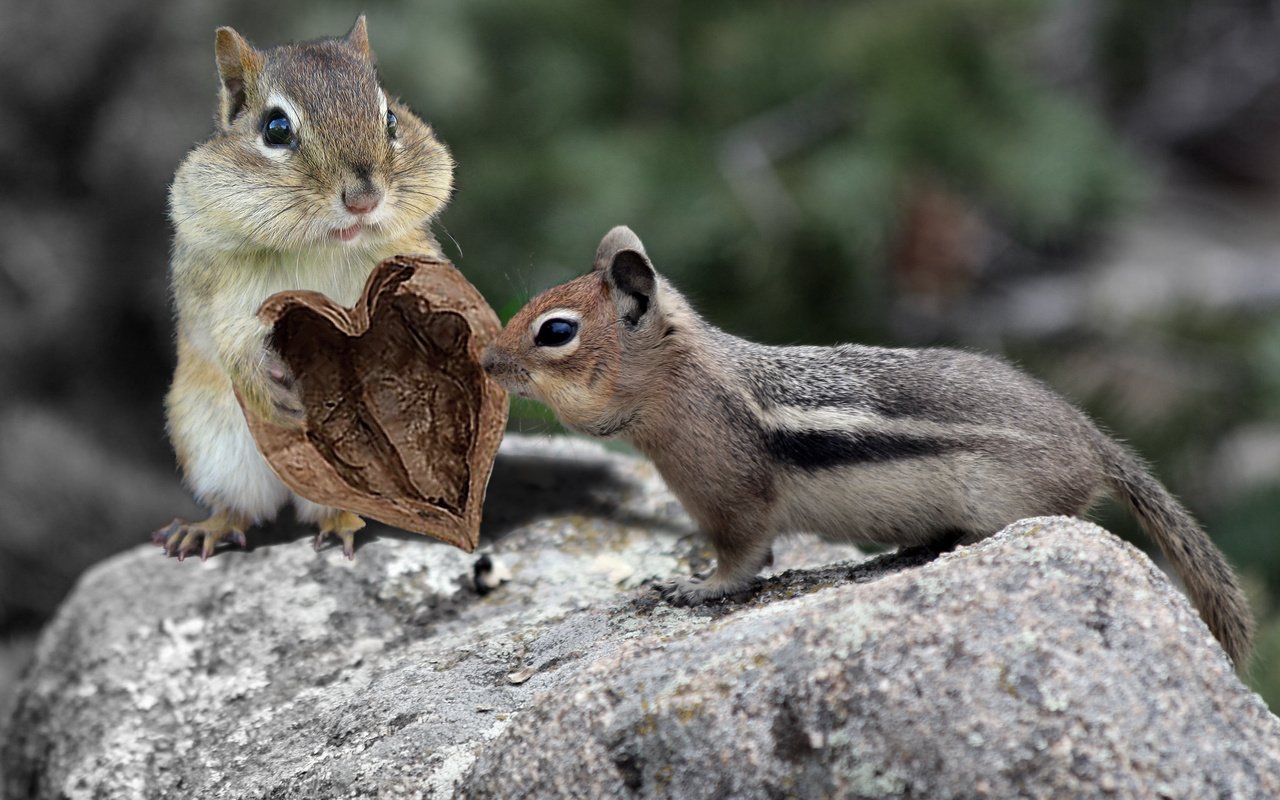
{"x": 238, "y": 65}
{"x": 618, "y": 239}
{"x": 358, "y": 36}
{"x": 632, "y": 282}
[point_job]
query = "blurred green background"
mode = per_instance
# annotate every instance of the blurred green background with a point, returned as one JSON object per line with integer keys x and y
{"x": 1090, "y": 187}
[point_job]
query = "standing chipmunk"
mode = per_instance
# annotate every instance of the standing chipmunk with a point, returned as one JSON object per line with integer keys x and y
{"x": 905, "y": 447}
{"x": 312, "y": 176}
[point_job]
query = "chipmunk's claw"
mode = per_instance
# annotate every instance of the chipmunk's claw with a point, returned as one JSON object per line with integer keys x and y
{"x": 685, "y": 591}
{"x": 348, "y": 539}
{"x": 180, "y": 538}
{"x": 160, "y": 536}
{"x": 190, "y": 543}
{"x": 693, "y": 590}
{"x": 206, "y": 548}
{"x": 342, "y": 524}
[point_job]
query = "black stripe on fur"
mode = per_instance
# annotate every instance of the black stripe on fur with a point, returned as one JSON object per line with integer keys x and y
{"x": 815, "y": 450}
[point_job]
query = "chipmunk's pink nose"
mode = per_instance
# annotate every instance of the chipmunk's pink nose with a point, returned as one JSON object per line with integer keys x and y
{"x": 361, "y": 202}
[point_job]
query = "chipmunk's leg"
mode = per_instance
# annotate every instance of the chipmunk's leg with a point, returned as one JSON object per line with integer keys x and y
{"x": 220, "y": 460}
{"x": 330, "y": 522}
{"x": 180, "y": 538}
{"x": 739, "y": 558}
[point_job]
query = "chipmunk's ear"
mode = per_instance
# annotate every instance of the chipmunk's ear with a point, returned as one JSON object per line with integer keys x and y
{"x": 632, "y": 282}
{"x": 358, "y": 36}
{"x": 238, "y": 65}
{"x": 616, "y": 240}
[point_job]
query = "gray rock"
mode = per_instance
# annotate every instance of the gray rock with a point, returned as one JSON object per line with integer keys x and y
{"x": 1052, "y": 660}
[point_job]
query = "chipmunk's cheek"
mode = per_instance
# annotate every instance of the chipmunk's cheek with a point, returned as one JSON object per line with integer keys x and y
{"x": 532, "y": 389}
{"x": 574, "y": 406}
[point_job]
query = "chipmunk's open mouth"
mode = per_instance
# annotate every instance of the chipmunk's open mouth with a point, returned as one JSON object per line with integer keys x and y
{"x": 347, "y": 234}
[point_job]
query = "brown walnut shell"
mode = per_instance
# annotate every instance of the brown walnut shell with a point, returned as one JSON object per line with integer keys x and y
{"x": 402, "y": 423}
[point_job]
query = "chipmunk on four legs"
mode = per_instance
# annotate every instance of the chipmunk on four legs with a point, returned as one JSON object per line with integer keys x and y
{"x": 897, "y": 446}
{"x": 312, "y": 176}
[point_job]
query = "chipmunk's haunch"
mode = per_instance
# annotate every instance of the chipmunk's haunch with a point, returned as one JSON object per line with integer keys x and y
{"x": 312, "y": 176}
{"x": 898, "y": 446}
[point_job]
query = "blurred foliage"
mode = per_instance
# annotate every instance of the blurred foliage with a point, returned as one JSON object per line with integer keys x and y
{"x": 1133, "y": 32}
{"x": 764, "y": 171}
{"x": 767, "y": 173}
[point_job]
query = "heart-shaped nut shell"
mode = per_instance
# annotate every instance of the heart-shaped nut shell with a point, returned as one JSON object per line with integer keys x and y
{"x": 402, "y": 424}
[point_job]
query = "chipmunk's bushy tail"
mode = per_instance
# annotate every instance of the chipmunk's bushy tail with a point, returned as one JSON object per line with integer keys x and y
{"x": 1211, "y": 583}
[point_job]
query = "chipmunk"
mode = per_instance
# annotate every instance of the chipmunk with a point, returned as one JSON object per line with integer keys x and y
{"x": 312, "y": 176}
{"x": 930, "y": 447}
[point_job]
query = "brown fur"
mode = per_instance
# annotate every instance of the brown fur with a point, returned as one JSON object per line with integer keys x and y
{"x": 896, "y": 446}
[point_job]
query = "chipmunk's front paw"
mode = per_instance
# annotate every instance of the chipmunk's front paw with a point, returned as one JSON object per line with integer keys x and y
{"x": 284, "y": 400}
{"x": 267, "y": 388}
{"x": 694, "y": 591}
{"x": 181, "y": 538}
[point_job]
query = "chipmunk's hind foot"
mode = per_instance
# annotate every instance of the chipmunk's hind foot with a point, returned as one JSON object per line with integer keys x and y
{"x": 342, "y": 524}
{"x": 734, "y": 577}
{"x": 694, "y": 591}
{"x": 181, "y": 538}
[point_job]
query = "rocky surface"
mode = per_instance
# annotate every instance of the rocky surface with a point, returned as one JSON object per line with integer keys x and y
{"x": 1052, "y": 660}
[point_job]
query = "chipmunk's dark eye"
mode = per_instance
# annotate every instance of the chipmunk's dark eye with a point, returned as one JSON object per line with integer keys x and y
{"x": 277, "y": 130}
{"x": 391, "y": 123}
{"x": 556, "y": 332}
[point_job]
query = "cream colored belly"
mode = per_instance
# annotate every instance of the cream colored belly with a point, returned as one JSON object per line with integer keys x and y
{"x": 903, "y": 502}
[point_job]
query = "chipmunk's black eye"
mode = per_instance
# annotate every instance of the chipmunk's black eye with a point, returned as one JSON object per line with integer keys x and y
{"x": 277, "y": 130}
{"x": 556, "y": 332}
{"x": 391, "y": 123}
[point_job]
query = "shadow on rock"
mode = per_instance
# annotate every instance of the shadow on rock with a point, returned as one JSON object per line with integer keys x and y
{"x": 525, "y": 488}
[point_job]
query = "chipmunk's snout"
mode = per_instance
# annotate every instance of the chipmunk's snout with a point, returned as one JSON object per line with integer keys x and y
{"x": 360, "y": 190}
{"x": 362, "y": 195}
{"x": 361, "y": 200}
{"x": 500, "y": 366}
{"x": 503, "y": 369}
